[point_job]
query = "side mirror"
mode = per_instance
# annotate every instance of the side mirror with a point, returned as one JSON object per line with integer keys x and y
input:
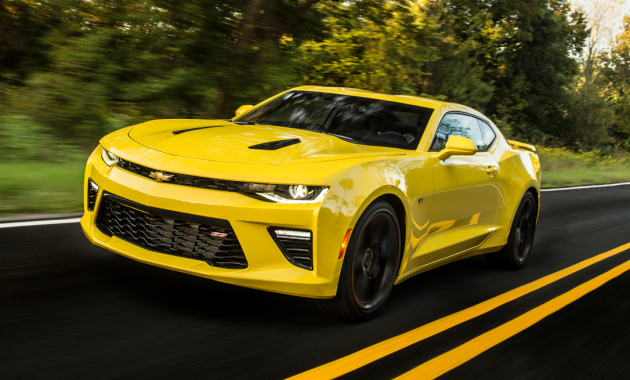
{"x": 242, "y": 109}
{"x": 457, "y": 145}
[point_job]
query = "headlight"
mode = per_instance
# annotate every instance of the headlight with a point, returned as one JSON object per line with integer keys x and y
{"x": 109, "y": 158}
{"x": 285, "y": 193}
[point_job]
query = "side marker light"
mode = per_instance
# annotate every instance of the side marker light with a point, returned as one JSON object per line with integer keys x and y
{"x": 344, "y": 244}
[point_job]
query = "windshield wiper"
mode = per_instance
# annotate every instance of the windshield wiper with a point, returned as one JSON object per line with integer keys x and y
{"x": 342, "y": 137}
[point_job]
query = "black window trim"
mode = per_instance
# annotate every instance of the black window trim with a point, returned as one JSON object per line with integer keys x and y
{"x": 465, "y": 114}
{"x": 493, "y": 132}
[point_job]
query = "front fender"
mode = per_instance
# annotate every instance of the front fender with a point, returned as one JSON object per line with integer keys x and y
{"x": 406, "y": 178}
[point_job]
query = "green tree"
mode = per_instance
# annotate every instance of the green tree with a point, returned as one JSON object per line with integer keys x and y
{"x": 22, "y": 49}
{"x": 525, "y": 51}
{"x": 617, "y": 79}
{"x": 383, "y": 49}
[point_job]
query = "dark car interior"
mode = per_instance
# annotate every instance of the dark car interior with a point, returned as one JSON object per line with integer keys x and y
{"x": 379, "y": 123}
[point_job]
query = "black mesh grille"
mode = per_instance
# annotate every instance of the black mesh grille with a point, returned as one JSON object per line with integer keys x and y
{"x": 92, "y": 192}
{"x": 183, "y": 179}
{"x": 208, "y": 239}
{"x": 298, "y": 250}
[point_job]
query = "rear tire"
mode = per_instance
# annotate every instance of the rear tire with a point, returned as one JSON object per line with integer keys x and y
{"x": 370, "y": 266}
{"x": 515, "y": 253}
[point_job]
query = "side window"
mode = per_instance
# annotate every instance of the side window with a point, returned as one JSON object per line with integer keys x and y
{"x": 458, "y": 125}
{"x": 488, "y": 133}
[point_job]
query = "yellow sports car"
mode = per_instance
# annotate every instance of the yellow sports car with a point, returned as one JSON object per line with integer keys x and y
{"x": 335, "y": 194}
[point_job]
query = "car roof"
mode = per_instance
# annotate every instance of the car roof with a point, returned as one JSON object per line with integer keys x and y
{"x": 407, "y": 99}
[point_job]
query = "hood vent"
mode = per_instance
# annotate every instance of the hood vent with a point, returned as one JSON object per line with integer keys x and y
{"x": 192, "y": 129}
{"x": 274, "y": 145}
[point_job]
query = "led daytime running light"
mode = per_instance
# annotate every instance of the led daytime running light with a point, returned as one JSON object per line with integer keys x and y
{"x": 279, "y": 199}
{"x": 294, "y": 234}
{"x": 285, "y": 193}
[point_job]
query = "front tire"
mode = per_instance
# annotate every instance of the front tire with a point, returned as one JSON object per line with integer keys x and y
{"x": 515, "y": 253}
{"x": 370, "y": 266}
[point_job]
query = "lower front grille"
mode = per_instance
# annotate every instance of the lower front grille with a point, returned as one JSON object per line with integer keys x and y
{"x": 165, "y": 231}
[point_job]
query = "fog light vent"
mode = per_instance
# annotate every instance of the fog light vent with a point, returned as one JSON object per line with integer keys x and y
{"x": 295, "y": 244}
{"x": 92, "y": 192}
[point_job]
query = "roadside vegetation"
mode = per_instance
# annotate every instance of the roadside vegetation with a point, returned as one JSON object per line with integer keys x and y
{"x": 38, "y": 187}
{"x": 562, "y": 167}
{"x": 549, "y": 72}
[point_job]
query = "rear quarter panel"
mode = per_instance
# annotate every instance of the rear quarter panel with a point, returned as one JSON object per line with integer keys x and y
{"x": 519, "y": 172}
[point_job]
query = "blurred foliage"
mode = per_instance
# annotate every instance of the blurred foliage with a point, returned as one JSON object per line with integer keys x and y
{"x": 383, "y": 51}
{"x": 562, "y": 158}
{"x": 615, "y": 76}
{"x": 74, "y": 70}
{"x": 564, "y": 167}
{"x": 21, "y": 189}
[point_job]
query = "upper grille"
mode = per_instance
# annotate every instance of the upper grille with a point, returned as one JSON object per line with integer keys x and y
{"x": 183, "y": 179}
{"x": 165, "y": 231}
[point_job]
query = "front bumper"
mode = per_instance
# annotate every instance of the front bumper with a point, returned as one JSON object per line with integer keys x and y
{"x": 268, "y": 269}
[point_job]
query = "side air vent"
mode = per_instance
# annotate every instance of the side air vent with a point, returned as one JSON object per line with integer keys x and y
{"x": 295, "y": 244}
{"x": 273, "y": 145}
{"x": 92, "y": 193}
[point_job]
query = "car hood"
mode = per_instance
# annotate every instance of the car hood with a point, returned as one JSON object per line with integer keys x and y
{"x": 219, "y": 140}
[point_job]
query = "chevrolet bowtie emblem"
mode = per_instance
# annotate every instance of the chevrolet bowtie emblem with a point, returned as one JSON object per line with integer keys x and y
{"x": 159, "y": 176}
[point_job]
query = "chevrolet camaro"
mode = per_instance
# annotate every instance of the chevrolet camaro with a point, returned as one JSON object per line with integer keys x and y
{"x": 335, "y": 194}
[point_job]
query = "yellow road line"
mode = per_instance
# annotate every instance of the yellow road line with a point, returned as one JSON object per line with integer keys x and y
{"x": 370, "y": 354}
{"x": 446, "y": 362}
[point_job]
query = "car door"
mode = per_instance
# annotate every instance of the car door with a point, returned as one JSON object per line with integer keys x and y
{"x": 466, "y": 196}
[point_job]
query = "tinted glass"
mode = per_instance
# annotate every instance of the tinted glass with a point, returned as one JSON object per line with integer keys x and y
{"x": 458, "y": 125}
{"x": 488, "y": 133}
{"x": 351, "y": 118}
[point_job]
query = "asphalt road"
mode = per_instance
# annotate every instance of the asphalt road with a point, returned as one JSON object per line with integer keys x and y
{"x": 71, "y": 310}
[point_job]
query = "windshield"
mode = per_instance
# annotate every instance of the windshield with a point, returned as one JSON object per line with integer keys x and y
{"x": 352, "y": 118}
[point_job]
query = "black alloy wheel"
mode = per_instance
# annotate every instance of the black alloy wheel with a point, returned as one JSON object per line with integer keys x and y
{"x": 515, "y": 253}
{"x": 370, "y": 266}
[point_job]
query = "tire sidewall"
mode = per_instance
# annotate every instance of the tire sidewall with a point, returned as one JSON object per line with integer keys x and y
{"x": 345, "y": 288}
{"x": 510, "y": 247}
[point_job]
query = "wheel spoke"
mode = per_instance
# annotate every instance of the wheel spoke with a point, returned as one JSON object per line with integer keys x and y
{"x": 362, "y": 287}
{"x": 521, "y": 219}
{"x": 527, "y": 211}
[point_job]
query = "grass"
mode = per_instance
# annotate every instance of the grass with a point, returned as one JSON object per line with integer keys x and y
{"x": 586, "y": 176}
{"x": 561, "y": 167}
{"x": 37, "y": 187}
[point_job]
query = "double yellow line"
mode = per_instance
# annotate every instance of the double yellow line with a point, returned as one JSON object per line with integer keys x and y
{"x": 445, "y": 362}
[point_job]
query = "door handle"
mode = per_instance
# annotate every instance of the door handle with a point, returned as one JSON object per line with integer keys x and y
{"x": 492, "y": 170}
